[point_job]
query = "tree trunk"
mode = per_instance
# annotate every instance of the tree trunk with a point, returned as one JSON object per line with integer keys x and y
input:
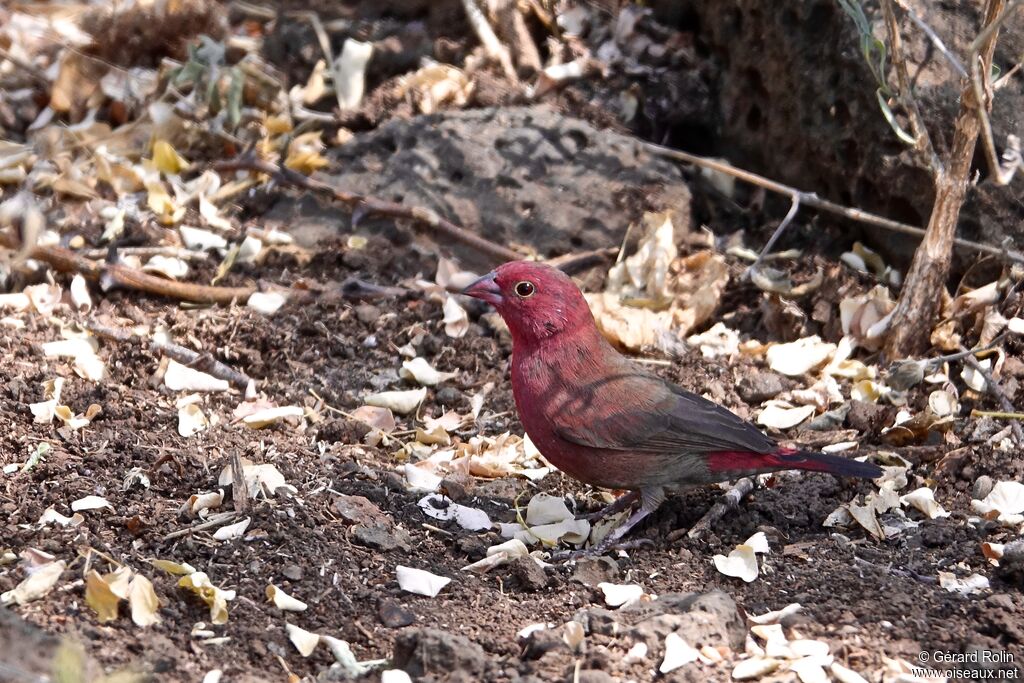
{"x": 914, "y": 317}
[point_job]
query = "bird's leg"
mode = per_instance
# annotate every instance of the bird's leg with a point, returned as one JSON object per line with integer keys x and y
{"x": 613, "y": 508}
{"x": 650, "y": 500}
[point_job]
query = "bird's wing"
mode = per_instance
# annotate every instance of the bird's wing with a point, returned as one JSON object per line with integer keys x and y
{"x": 657, "y": 416}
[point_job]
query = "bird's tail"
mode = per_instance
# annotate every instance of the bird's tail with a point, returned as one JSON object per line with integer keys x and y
{"x": 789, "y": 458}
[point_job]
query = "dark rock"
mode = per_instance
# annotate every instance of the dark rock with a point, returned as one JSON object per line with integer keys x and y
{"x": 541, "y": 642}
{"x": 595, "y": 676}
{"x": 473, "y": 546}
{"x": 983, "y": 486}
{"x": 342, "y": 430}
{"x": 515, "y": 174}
{"x": 448, "y": 396}
{"x": 598, "y": 620}
{"x": 760, "y": 386}
{"x": 454, "y": 489}
{"x": 591, "y": 571}
{"x": 700, "y": 619}
{"x": 869, "y": 418}
{"x": 422, "y": 651}
{"x": 529, "y": 574}
{"x": 382, "y": 538}
{"x": 293, "y": 572}
{"x": 393, "y": 615}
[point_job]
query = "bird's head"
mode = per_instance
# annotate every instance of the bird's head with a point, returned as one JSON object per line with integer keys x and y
{"x": 535, "y": 300}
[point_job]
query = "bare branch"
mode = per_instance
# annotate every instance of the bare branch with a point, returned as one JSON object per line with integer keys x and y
{"x": 812, "y": 200}
{"x": 923, "y": 141}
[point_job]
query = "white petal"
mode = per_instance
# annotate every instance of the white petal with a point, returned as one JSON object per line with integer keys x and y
{"x": 618, "y": 594}
{"x": 304, "y": 641}
{"x": 401, "y": 402}
{"x": 677, "y": 653}
{"x": 741, "y": 563}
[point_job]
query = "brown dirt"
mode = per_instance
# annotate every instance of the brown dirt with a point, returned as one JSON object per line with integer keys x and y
{"x": 868, "y": 599}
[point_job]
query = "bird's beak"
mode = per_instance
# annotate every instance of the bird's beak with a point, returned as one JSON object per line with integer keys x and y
{"x": 485, "y": 289}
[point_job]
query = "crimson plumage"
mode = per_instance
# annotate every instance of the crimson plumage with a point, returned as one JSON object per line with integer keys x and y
{"x": 606, "y": 421}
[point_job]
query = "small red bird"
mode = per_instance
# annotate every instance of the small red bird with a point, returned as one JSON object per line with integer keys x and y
{"x": 605, "y": 421}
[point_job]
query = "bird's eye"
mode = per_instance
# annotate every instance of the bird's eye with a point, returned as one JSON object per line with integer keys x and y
{"x": 525, "y": 289}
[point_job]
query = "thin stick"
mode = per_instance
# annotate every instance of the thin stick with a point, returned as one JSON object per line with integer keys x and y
{"x": 488, "y": 39}
{"x": 997, "y": 414}
{"x": 812, "y": 200}
{"x": 922, "y": 140}
{"x": 114, "y": 274}
{"x": 729, "y": 501}
{"x": 790, "y": 215}
{"x": 183, "y": 355}
{"x": 239, "y": 491}
{"x": 213, "y": 521}
{"x": 363, "y": 205}
{"x": 997, "y": 391}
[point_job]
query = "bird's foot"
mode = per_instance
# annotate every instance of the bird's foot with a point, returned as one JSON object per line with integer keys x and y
{"x": 601, "y": 549}
{"x": 615, "y": 507}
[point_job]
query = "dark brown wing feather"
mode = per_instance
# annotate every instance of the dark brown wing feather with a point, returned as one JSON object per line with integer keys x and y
{"x": 658, "y": 417}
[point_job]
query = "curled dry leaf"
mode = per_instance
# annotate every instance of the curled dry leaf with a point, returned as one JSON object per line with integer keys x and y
{"x": 782, "y": 415}
{"x": 260, "y": 479}
{"x": 923, "y": 499}
{"x": 50, "y": 516}
{"x": 975, "y": 583}
{"x": 776, "y": 616}
{"x": 865, "y": 318}
{"x": 143, "y": 601}
{"x": 232, "y": 531}
{"x": 80, "y": 298}
{"x": 740, "y": 563}
{"x": 200, "y": 503}
{"x": 799, "y": 357}
{"x": 677, "y": 653}
{"x": 180, "y": 377}
{"x": 420, "y": 582}
{"x": 191, "y": 420}
{"x": 401, "y": 402}
{"x": 271, "y": 416}
{"x": 266, "y": 303}
{"x": 497, "y": 555}
{"x": 215, "y": 598}
{"x": 90, "y": 503}
{"x": 304, "y": 641}
{"x": 755, "y": 667}
{"x": 456, "y": 320}
{"x": 284, "y": 601}
{"x": 439, "y": 507}
{"x": 36, "y": 585}
{"x": 616, "y": 595}
{"x": 1005, "y": 502}
{"x": 424, "y": 374}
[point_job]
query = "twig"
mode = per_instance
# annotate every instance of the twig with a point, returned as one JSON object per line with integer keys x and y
{"x": 114, "y": 274}
{"x": 981, "y": 54}
{"x": 493, "y": 46}
{"x": 895, "y": 571}
{"x": 143, "y": 252}
{"x": 790, "y": 215}
{"x": 239, "y": 491}
{"x": 729, "y": 501}
{"x": 214, "y": 520}
{"x": 812, "y": 200}
{"x": 934, "y": 37}
{"x": 363, "y": 205}
{"x": 922, "y": 140}
{"x": 570, "y": 264}
{"x": 200, "y": 361}
{"x": 997, "y": 391}
{"x": 997, "y": 414}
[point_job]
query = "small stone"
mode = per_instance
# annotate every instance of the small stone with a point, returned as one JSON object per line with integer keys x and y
{"x": 293, "y": 572}
{"x": 420, "y": 651}
{"x": 541, "y": 642}
{"x": 869, "y": 418}
{"x": 591, "y": 571}
{"x": 382, "y": 538}
{"x": 448, "y": 396}
{"x": 454, "y": 489}
{"x": 393, "y": 615}
{"x": 342, "y": 430}
{"x": 760, "y": 386}
{"x": 359, "y": 510}
{"x": 473, "y": 547}
{"x": 598, "y": 620}
{"x": 530, "y": 574}
{"x": 982, "y": 487}
{"x": 595, "y": 676}
{"x": 367, "y": 313}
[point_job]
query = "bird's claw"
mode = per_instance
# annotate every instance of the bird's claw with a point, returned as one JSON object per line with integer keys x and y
{"x": 600, "y": 549}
